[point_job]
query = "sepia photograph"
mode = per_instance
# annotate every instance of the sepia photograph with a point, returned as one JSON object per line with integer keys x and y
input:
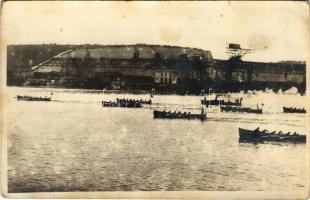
{"x": 158, "y": 99}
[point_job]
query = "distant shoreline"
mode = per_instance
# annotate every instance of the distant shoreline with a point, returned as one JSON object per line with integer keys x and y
{"x": 51, "y": 89}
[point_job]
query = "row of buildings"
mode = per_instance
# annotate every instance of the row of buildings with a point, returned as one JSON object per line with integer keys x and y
{"x": 165, "y": 68}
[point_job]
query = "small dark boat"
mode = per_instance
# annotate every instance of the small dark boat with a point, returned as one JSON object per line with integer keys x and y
{"x": 262, "y": 136}
{"x": 134, "y": 100}
{"x": 229, "y": 103}
{"x": 293, "y": 110}
{"x": 30, "y": 98}
{"x": 121, "y": 104}
{"x": 216, "y": 102}
{"x": 179, "y": 115}
{"x": 241, "y": 109}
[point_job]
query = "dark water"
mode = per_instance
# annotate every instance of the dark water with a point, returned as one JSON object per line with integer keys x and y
{"x": 73, "y": 144}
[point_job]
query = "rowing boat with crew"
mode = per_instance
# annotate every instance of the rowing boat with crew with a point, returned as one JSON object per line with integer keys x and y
{"x": 257, "y": 135}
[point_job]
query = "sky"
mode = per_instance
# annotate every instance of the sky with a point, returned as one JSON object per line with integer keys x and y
{"x": 275, "y": 30}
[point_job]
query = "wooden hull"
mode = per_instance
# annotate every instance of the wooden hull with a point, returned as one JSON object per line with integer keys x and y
{"x": 167, "y": 115}
{"x": 28, "y": 98}
{"x": 293, "y": 110}
{"x": 250, "y": 136}
{"x": 241, "y": 110}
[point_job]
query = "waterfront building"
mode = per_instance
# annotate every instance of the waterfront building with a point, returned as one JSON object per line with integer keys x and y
{"x": 169, "y": 68}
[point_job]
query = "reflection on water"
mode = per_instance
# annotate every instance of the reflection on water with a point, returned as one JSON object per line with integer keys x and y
{"x": 73, "y": 144}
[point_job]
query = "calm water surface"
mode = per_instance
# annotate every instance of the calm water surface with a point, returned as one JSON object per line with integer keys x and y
{"x": 73, "y": 144}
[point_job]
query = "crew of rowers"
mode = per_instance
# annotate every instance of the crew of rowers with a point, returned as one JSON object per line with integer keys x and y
{"x": 273, "y": 133}
{"x": 180, "y": 113}
{"x": 175, "y": 112}
{"x": 134, "y": 104}
{"x": 241, "y": 109}
{"x": 25, "y": 97}
{"x": 297, "y": 109}
{"x": 126, "y": 103}
{"x": 238, "y": 101}
{"x": 133, "y": 101}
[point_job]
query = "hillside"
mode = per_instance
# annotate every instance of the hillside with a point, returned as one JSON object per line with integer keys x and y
{"x": 21, "y": 58}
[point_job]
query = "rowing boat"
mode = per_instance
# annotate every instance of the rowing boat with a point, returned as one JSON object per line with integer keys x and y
{"x": 134, "y": 101}
{"x": 30, "y": 98}
{"x": 178, "y": 115}
{"x": 262, "y": 136}
{"x": 121, "y": 104}
{"x": 241, "y": 109}
{"x": 294, "y": 110}
{"x": 216, "y": 102}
